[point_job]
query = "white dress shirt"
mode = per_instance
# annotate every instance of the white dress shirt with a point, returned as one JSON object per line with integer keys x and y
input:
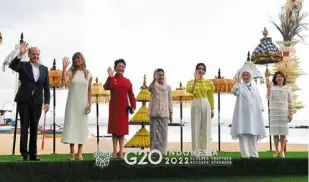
{"x": 35, "y": 71}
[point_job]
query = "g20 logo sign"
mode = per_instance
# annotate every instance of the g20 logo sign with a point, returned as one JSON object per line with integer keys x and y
{"x": 144, "y": 155}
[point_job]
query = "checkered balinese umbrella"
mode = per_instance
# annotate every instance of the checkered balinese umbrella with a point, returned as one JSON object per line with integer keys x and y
{"x": 266, "y": 52}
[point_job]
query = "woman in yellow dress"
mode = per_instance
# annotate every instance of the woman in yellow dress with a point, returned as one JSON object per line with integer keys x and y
{"x": 201, "y": 111}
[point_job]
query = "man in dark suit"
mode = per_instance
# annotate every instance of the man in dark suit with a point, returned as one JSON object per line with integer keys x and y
{"x": 33, "y": 81}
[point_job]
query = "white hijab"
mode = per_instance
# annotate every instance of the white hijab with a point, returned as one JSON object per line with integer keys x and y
{"x": 255, "y": 72}
{"x": 164, "y": 86}
{"x": 248, "y": 71}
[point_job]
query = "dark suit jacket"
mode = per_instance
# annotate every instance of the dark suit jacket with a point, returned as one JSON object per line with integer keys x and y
{"x": 30, "y": 90}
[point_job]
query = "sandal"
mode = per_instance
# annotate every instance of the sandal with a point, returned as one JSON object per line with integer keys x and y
{"x": 282, "y": 155}
{"x": 276, "y": 154}
{"x": 80, "y": 157}
{"x": 114, "y": 155}
{"x": 120, "y": 156}
{"x": 72, "y": 158}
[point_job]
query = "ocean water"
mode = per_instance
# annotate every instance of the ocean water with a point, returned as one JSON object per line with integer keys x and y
{"x": 296, "y": 135}
{"x": 226, "y": 114}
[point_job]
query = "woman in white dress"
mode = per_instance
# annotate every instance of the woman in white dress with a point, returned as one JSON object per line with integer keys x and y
{"x": 248, "y": 123}
{"x": 78, "y": 106}
{"x": 202, "y": 111}
{"x": 281, "y": 110}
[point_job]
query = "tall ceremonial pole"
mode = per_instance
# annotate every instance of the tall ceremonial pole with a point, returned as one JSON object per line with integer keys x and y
{"x": 16, "y": 88}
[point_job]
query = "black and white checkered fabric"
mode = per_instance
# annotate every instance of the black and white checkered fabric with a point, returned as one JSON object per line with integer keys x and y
{"x": 266, "y": 46}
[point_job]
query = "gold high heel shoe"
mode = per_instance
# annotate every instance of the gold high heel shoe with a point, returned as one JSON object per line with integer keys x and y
{"x": 276, "y": 154}
{"x": 120, "y": 155}
{"x": 80, "y": 157}
{"x": 72, "y": 158}
{"x": 281, "y": 155}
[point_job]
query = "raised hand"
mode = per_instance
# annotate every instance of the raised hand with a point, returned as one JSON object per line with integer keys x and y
{"x": 155, "y": 76}
{"x": 65, "y": 62}
{"x": 196, "y": 75}
{"x": 110, "y": 72}
{"x": 23, "y": 48}
{"x": 239, "y": 77}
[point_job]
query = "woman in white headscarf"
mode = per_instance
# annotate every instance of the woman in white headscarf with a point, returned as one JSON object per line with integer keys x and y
{"x": 160, "y": 111}
{"x": 248, "y": 123}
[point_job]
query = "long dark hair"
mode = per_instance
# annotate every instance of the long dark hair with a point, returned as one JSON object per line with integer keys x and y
{"x": 275, "y": 76}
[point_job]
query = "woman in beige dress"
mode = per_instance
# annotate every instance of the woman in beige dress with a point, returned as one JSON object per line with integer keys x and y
{"x": 160, "y": 111}
{"x": 75, "y": 129}
{"x": 281, "y": 110}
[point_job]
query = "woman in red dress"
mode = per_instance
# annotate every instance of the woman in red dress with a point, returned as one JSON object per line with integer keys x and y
{"x": 121, "y": 93}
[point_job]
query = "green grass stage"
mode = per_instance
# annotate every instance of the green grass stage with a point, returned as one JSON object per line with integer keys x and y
{"x": 90, "y": 156}
{"x": 58, "y": 167}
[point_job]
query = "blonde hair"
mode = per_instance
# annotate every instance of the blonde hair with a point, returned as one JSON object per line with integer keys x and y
{"x": 73, "y": 68}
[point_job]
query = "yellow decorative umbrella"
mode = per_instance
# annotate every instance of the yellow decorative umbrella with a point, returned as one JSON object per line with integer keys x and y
{"x": 181, "y": 96}
{"x": 144, "y": 95}
{"x": 142, "y": 138}
{"x": 99, "y": 95}
{"x": 55, "y": 82}
{"x": 141, "y": 117}
{"x": 221, "y": 86}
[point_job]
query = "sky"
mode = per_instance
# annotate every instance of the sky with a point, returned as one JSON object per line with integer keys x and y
{"x": 171, "y": 34}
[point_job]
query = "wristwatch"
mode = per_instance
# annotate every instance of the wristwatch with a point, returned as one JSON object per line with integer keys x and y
{"x": 19, "y": 57}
